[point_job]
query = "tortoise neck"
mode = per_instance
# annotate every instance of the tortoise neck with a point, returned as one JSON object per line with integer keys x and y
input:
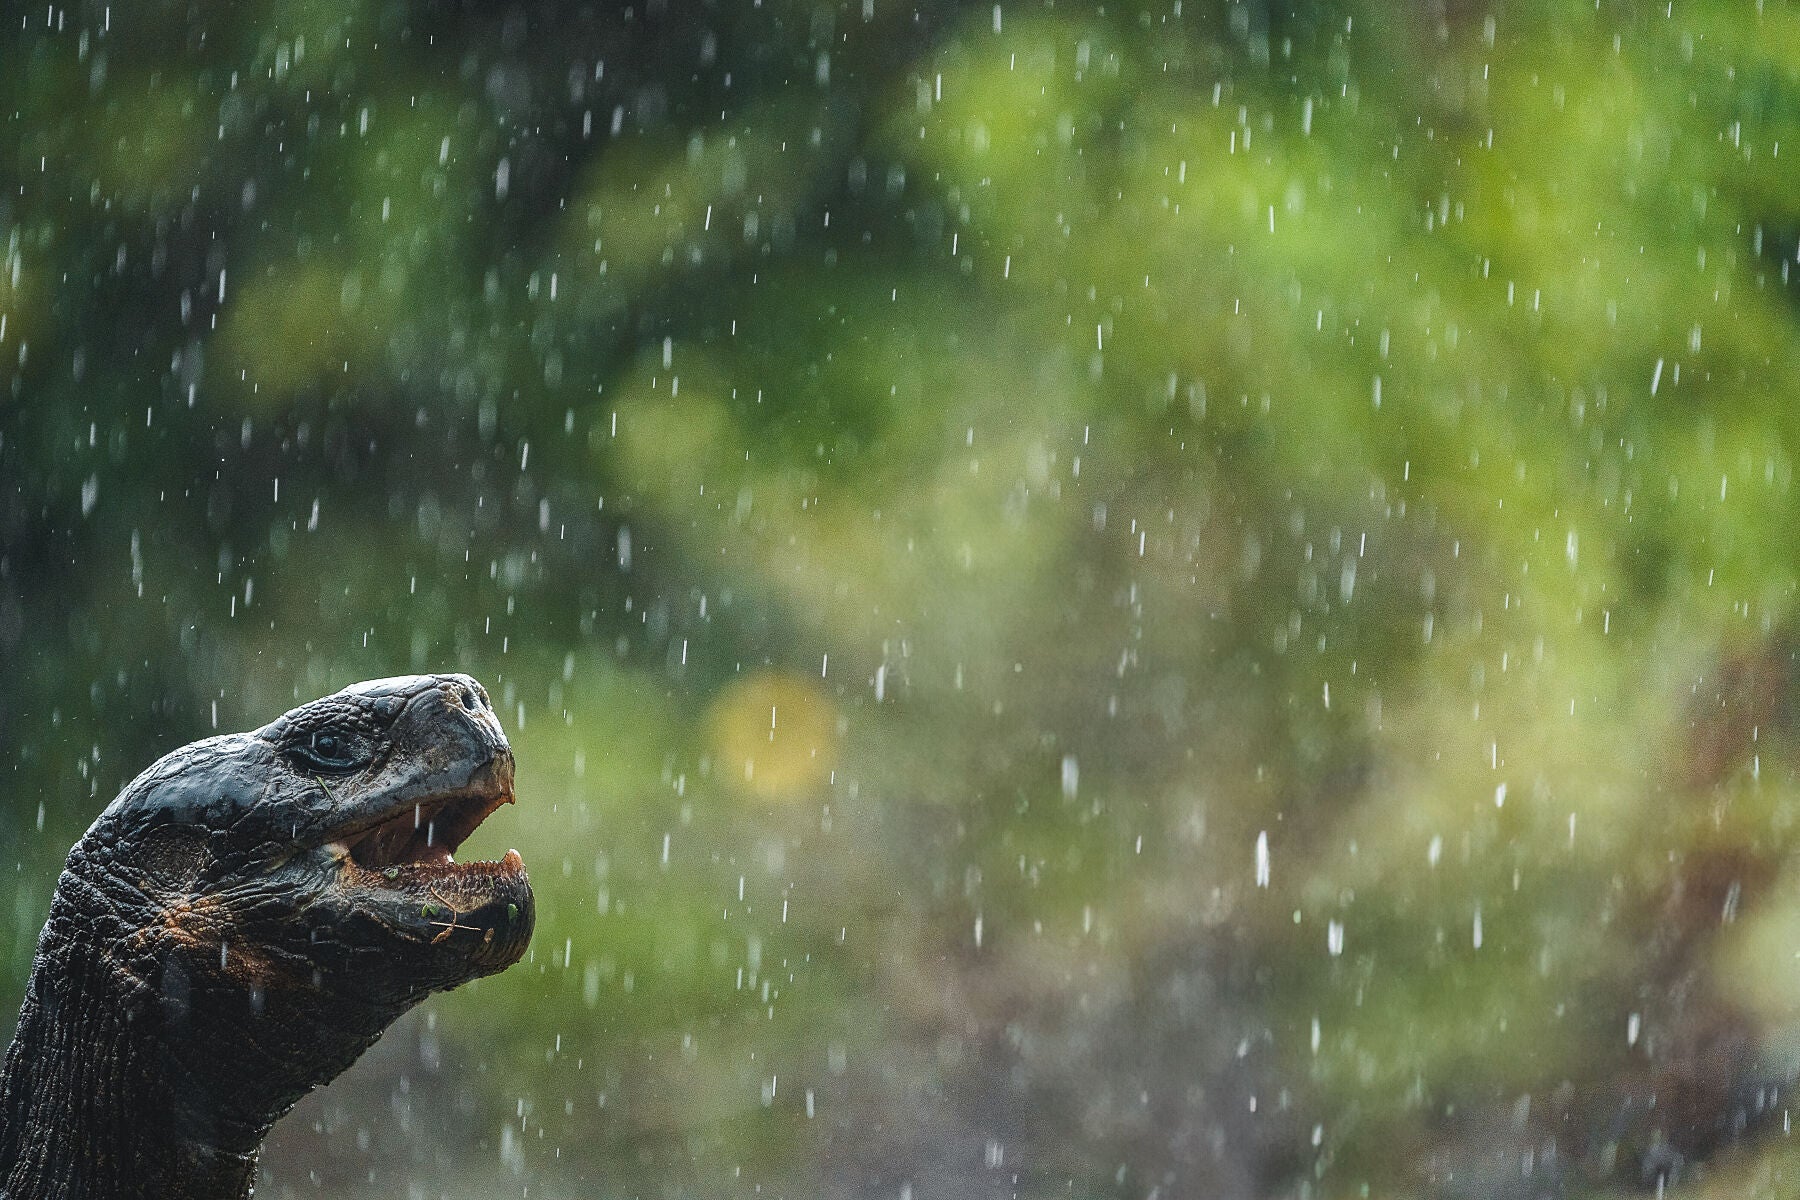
{"x": 93, "y": 1104}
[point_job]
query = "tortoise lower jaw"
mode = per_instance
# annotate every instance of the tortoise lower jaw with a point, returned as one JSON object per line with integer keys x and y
{"x": 438, "y": 868}
{"x": 484, "y": 910}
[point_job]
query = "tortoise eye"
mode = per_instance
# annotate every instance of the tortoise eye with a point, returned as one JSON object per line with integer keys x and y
{"x": 327, "y": 750}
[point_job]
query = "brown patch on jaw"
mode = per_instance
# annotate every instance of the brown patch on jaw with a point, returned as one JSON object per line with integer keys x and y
{"x": 200, "y": 926}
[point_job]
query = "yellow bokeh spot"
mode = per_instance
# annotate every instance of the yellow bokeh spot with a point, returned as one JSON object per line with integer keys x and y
{"x": 774, "y": 735}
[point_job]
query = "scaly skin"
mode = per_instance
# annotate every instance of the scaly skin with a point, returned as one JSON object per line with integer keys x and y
{"x": 213, "y": 952}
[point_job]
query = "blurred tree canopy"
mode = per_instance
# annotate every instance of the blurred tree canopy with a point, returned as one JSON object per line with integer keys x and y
{"x": 1145, "y": 599}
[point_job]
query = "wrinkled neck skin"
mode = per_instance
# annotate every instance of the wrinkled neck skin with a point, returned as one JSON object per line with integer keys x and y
{"x": 85, "y": 1108}
{"x": 132, "y": 1076}
{"x": 87, "y": 1114}
{"x": 92, "y": 1101}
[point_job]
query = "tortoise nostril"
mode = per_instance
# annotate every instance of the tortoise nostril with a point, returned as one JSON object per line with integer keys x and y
{"x": 467, "y": 696}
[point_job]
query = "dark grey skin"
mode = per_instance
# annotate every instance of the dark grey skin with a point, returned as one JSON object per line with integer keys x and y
{"x": 240, "y": 924}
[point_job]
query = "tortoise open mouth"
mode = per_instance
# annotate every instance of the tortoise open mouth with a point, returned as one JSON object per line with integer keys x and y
{"x": 417, "y": 841}
{"x": 404, "y": 864}
{"x": 424, "y": 834}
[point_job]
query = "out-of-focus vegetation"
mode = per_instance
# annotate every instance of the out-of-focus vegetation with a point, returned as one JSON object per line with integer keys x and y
{"x": 1159, "y": 599}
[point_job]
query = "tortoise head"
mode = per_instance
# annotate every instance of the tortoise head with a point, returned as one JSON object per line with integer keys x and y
{"x": 273, "y": 900}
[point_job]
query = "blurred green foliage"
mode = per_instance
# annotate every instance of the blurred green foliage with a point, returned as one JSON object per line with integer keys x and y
{"x": 1156, "y": 599}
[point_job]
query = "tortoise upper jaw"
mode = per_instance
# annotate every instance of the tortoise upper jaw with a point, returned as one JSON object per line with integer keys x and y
{"x": 418, "y": 821}
{"x": 424, "y": 831}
